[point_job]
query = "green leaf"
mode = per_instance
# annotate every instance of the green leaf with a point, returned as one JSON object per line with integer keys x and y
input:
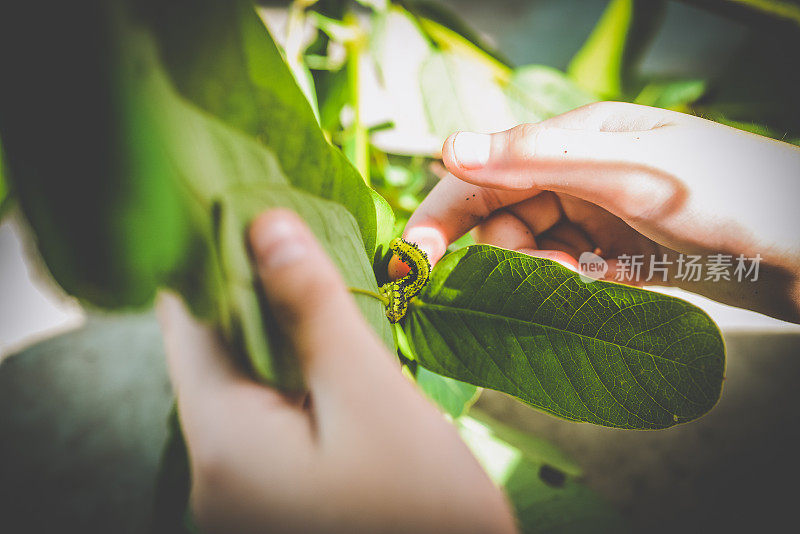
{"x": 385, "y": 220}
{"x": 171, "y": 503}
{"x": 453, "y": 396}
{"x": 544, "y": 498}
{"x": 604, "y": 65}
{"x": 160, "y": 193}
{"x": 534, "y": 449}
{"x": 5, "y": 194}
{"x": 222, "y": 59}
{"x": 451, "y": 83}
{"x": 233, "y": 178}
{"x": 106, "y": 236}
{"x": 671, "y": 95}
{"x": 335, "y": 229}
{"x": 537, "y": 92}
{"x": 598, "y": 352}
{"x": 446, "y": 26}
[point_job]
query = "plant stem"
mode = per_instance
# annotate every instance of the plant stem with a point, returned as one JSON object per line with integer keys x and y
{"x": 361, "y": 136}
{"x": 372, "y": 294}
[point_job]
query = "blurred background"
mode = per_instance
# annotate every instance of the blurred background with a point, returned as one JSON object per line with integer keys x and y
{"x": 84, "y": 394}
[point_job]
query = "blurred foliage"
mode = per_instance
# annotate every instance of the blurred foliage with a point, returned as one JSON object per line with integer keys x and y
{"x": 605, "y": 65}
{"x": 541, "y": 482}
{"x": 445, "y": 65}
{"x": 5, "y": 193}
{"x": 765, "y": 13}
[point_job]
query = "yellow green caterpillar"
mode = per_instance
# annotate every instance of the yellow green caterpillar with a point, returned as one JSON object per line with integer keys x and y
{"x": 400, "y": 292}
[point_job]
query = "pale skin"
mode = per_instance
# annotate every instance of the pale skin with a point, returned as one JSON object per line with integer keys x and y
{"x": 626, "y": 179}
{"x": 363, "y": 451}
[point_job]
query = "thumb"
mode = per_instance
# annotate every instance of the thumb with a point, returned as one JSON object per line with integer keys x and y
{"x": 617, "y": 170}
{"x": 308, "y": 296}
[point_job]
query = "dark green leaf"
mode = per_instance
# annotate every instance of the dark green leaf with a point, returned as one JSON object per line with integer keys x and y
{"x": 598, "y": 352}
{"x": 171, "y": 503}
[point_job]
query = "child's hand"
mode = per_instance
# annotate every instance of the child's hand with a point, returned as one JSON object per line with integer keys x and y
{"x": 362, "y": 452}
{"x": 627, "y": 179}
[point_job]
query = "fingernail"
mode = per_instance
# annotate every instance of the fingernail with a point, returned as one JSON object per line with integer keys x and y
{"x": 472, "y": 149}
{"x": 278, "y": 243}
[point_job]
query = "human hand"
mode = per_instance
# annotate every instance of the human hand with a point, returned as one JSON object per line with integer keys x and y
{"x": 362, "y": 452}
{"x": 622, "y": 179}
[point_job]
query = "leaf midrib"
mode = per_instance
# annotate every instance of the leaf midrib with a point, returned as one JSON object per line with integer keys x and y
{"x": 422, "y": 304}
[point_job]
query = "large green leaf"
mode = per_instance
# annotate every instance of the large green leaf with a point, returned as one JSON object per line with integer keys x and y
{"x": 598, "y": 352}
{"x": 537, "y": 92}
{"x": 435, "y": 84}
{"x": 171, "y": 206}
{"x": 451, "y": 83}
{"x": 220, "y": 56}
{"x": 231, "y": 178}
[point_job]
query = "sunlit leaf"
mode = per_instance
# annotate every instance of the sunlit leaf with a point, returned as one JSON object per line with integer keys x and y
{"x": 222, "y": 59}
{"x": 598, "y": 352}
{"x": 675, "y": 95}
{"x": 604, "y": 64}
{"x": 537, "y": 92}
{"x": 454, "y": 397}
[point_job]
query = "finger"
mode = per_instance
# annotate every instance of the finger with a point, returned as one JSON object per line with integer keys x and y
{"x": 572, "y": 237}
{"x": 449, "y": 211}
{"x": 618, "y": 170}
{"x": 558, "y": 256}
{"x": 505, "y": 230}
{"x": 540, "y": 213}
{"x": 311, "y": 301}
{"x": 202, "y": 371}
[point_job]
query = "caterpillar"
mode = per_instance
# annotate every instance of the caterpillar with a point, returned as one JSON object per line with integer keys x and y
{"x": 400, "y": 292}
